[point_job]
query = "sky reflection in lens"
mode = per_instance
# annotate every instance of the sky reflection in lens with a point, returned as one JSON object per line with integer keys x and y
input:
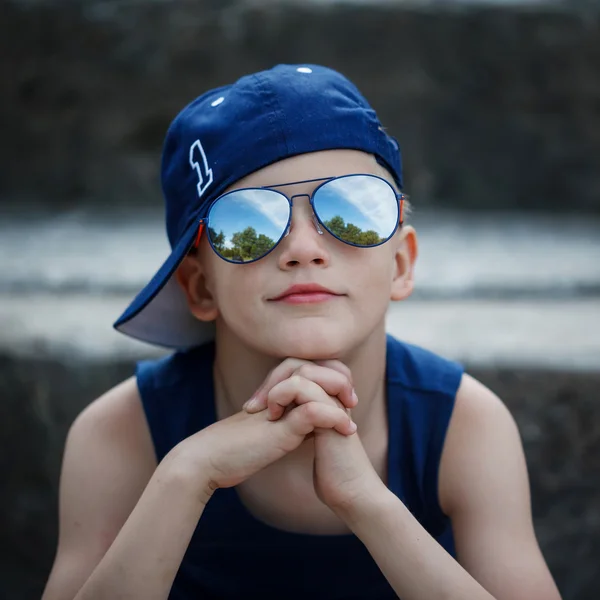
{"x": 245, "y": 224}
{"x": 359, "y": 209}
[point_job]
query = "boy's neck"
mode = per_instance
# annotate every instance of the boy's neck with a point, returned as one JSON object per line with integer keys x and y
{"x": 239, "y": 371}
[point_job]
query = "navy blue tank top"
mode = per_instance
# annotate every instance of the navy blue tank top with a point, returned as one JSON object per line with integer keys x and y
{"x": 232, "y": 554}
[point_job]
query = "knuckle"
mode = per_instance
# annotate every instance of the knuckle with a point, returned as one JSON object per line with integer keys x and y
{"x": 341, "y": 369}
{"x": 301, "y": 384}
{"x": 346, "y": 372}
{"x": 297, "y": 381}
{"x": 291, "y": 364}
{"x": 311, "y": 410}
{"x": 347, "y": 375}
{"x": 304, "y": 370}
{"x": 280, "y": 370}
{"x": 344, "y": 383}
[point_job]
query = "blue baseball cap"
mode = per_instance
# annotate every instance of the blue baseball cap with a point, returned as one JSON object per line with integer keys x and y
{"x": 226, "y": 134}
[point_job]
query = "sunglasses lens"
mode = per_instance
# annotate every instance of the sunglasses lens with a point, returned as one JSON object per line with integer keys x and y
{"x": 361, "y": 210}
{"x": 244, "y": 225}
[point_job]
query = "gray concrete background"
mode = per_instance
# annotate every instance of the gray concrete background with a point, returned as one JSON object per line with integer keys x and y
{"x": 503, "y": 289}
{"x": 498, "y": 111}
{"x": 495, "y": 107}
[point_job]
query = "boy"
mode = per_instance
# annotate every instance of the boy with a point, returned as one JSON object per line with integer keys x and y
{"x": 233, "y": 467}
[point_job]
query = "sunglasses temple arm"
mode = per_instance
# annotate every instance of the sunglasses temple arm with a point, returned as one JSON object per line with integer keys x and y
{"x": 401, "y": 209}
{"x": 199, "y": 235}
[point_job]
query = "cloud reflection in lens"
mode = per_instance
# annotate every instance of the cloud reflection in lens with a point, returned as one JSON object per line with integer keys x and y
{"x": 246, "y": 224}
{"x": 358, "y": 209}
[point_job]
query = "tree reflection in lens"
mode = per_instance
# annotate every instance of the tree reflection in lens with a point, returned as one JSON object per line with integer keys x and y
{"x": 245, "y": 245}
{"x": 352, "y": 233}
{"x": 368, "y": 204}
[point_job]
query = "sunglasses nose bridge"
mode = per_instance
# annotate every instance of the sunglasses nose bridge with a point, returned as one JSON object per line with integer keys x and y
{"x": 312, "y": 210}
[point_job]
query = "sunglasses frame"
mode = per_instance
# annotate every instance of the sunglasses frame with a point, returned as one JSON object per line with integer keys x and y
{"x": 204, "y": 223}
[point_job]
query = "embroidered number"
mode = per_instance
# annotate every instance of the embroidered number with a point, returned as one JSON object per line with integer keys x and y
{"x": 199, "y": 163}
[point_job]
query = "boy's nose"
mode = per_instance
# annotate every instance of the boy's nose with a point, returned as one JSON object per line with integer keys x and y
{"x": 303, "y": 243}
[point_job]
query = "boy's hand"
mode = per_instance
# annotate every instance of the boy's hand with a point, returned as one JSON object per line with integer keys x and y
{"x": 294, "y": 381}
{"x": 343, "y": 474}
{"x": 229, "y": 451}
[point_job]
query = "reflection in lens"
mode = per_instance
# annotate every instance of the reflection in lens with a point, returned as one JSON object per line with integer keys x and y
{"x": 358, "y": 209}
{"x": 246, "y": 224}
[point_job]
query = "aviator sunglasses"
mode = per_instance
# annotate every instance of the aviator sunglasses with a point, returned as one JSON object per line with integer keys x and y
{"x": 361, "y": 210}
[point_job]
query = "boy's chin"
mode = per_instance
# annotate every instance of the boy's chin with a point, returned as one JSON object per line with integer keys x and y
{"x": 312, "y": 343}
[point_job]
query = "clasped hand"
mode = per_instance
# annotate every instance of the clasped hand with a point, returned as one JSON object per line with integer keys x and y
{"x": 298, "y": 399}
{"x": 343, "y": 474}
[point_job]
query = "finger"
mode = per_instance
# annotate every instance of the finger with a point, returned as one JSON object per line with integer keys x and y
{"x": 284, "y": 370}
{"x": 334, "y": 376}
{"x": 310, "y": 383}
{"x": 336, "y": 365}
{"x": 315, "y": 415}
{"x": 295, "y": 390}
{"x": 335, "y": 381}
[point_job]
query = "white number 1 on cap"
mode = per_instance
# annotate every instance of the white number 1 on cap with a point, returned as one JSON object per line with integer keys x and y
{"x": 199, "y": 163}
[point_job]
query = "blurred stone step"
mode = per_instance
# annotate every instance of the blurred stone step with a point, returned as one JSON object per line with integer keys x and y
{"x": 461, "y": 255}
{"x": 501, "y": 289}
{"x": 563, "y": 336}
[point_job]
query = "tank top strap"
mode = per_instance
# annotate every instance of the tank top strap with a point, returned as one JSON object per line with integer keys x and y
{"x": 421, "y": 390}
{"x": 177, "y": 395}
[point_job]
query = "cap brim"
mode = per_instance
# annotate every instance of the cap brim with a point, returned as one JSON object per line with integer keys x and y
{"x": 159, "y": 314}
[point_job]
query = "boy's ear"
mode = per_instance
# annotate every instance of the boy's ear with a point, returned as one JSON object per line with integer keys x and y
{"x": 405, "y": 258}
{"x": 192, "y": 280}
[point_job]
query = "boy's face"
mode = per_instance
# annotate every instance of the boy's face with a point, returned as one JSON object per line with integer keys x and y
{"x": 242, "y": 297}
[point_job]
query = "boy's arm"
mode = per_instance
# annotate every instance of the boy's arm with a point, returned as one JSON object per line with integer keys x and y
{"x": 126, "y": 523}
{"x": 109, "y": 460}
{"x": 483, "y": 487}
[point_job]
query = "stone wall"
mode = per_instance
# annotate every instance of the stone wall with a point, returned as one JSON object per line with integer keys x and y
{"x": 493, "y": 107}
{"x": 558, "y": 416}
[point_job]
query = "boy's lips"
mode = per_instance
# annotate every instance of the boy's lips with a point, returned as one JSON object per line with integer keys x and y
{"x": 305, "y": 293}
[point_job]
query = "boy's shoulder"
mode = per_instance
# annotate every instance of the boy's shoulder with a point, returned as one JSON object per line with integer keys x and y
{"x": 115, "y": 414}
{"x": 176, "y": 367}
{"x": 416, "y": 368}
{"x": 419, "y": 370}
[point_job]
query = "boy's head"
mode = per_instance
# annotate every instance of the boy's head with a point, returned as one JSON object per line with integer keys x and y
{"x": 270, "y": 130}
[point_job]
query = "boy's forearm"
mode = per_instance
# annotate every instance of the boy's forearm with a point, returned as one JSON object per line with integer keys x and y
{"x": 414, "y": 564}
{"x": 146, "y": 554}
